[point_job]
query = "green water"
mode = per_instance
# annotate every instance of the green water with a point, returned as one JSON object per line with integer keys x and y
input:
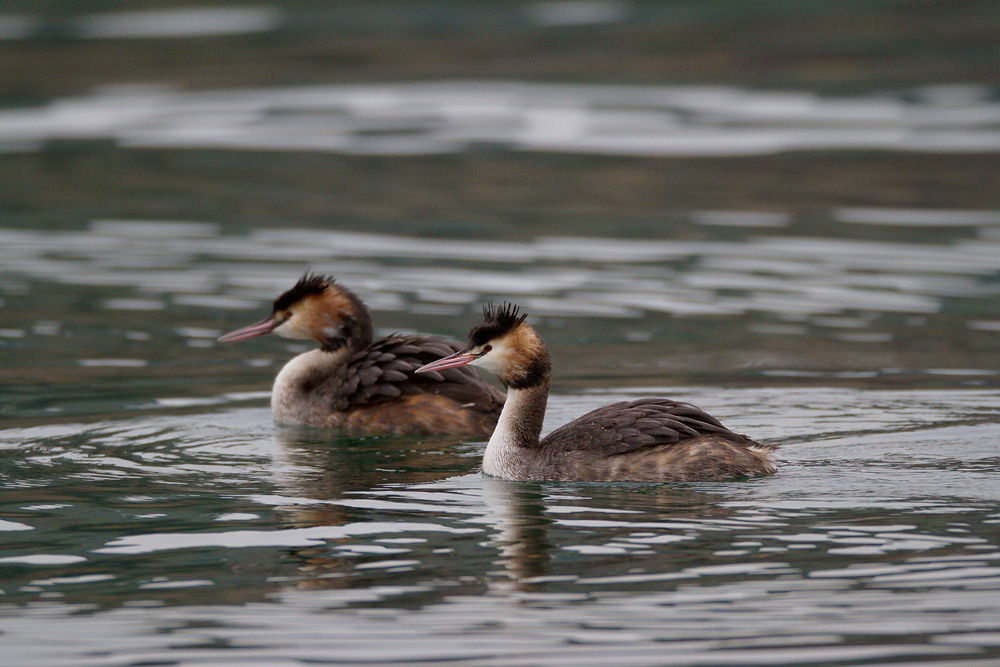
{"x": 780, "y": 215}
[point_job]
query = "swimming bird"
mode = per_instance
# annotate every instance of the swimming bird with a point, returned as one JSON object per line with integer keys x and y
{"x": 647, "y": 440}
{"x": 356, "y": 383}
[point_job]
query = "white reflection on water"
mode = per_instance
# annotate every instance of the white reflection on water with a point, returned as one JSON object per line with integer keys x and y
{"x": 873, "y": 542}
{"x": 447, "y": 117}
{"x": 242, "y": 539}
{"x": 916, "y": 217}
{"x": 195, "y": 265}
{"x": 309, "y": 627}
{"x": 197, "y": 22}
{"x": 13, "y": 26}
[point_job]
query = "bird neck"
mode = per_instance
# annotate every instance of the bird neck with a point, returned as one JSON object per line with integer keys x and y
{"x": 301, "y": 392}
{"x": 518, "y": 431}
{"x": 353, "y": 332}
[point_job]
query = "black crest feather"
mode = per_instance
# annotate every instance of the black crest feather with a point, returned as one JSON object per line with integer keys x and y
{"x": 308, "y": 285}
{"x": 497, "y": 321}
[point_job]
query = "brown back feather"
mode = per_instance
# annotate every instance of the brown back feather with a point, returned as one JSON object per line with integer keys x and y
{"x": 384, "y": 371}
{"x": 630, "y": 426}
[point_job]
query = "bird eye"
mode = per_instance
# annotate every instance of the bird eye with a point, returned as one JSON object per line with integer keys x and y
{"x": 486, "y": 348}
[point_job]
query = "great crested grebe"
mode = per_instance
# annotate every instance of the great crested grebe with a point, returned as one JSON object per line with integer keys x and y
{"x": 354, "y": 383}
{"x": 648, "y": 440}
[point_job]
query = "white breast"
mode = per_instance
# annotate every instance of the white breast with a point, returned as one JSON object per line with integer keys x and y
{"x": 504, "y": 453}
{"x": 286, "y": 395}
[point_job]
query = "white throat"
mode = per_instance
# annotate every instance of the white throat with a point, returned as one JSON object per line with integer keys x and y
{"x": 515, "y": 440}
{"x": 290, "y": 402}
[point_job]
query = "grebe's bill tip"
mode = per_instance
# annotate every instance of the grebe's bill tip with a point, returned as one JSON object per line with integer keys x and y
{"x": 265, "y": 326}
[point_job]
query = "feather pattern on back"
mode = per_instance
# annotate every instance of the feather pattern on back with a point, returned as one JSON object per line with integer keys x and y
{"x": 376, "y": 390}
{"x": 651, "y": 439}
{"x": 631, "y": 425}
{"x": 385, "y": 370}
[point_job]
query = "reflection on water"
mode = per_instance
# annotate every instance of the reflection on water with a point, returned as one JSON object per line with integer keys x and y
{"x": 199, "y": 22}
{"x": 289, "y": 550}
{"x": 195, "y": 265}
{"x": 765, "y": 303}
{"x": 807, "y": 248}
{"x": 447, "y": 117}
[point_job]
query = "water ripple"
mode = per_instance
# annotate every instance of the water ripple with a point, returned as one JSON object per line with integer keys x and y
{"x": 598, "y": 277}
{"x": 447, "y": 117}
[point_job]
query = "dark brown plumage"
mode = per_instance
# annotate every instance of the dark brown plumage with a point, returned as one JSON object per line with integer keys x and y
{"x": 649, "y": 440}
{"x": 375, "y": 389}
{"x": 310, "y": 284}
{"x": 498, "y": 321}
{"x": 354, "y": 383}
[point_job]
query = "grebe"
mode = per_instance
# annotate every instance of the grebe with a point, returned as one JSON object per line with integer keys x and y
{"x": 648, "y": 440}
{"x": 354, "y": 383}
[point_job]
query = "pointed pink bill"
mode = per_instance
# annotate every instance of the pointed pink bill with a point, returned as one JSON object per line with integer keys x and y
{"x": 451, "y": 361}
{"x": 265, "y": 326}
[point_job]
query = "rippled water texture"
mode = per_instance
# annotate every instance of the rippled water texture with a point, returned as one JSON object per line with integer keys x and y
{"x": 220, "y": 537}
{"x": 778, "y": 214}
{"x": 451, "y": 117}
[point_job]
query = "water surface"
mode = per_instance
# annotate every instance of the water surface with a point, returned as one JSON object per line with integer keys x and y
{"x": 152, "y": 508}
{"x": 808, "y": 248}
{"x": 220, "y": 536}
